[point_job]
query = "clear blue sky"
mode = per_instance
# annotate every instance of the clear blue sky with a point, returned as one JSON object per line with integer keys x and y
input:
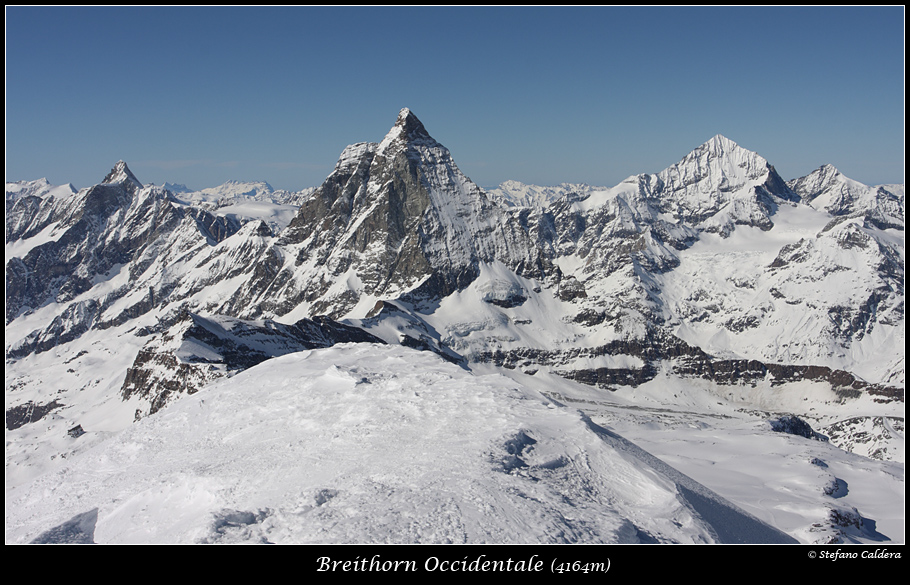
{"x": 540, "y": 95}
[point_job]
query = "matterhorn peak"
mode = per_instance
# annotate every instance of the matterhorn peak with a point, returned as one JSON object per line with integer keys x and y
{"x": 410, "y": 124}
{"x": 408, "y": 129}
{"x": 121, "y": 174}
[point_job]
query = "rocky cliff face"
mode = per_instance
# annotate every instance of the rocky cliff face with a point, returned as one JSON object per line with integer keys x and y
{"x": 396, "y": 218}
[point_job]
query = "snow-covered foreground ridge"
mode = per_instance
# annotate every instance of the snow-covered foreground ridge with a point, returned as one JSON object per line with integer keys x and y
{"x": 364, "y": 443}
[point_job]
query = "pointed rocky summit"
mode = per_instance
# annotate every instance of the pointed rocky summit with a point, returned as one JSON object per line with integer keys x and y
{"x": 412, "y": 127}
{"x": 408, "y": 129}
{"x": 121, "y": 174}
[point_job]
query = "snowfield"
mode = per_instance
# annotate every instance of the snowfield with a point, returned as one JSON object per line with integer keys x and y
{"x": 363, "y": 443}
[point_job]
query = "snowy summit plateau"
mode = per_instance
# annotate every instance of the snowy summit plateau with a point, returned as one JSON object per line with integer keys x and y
{"x": 707, "y": 354}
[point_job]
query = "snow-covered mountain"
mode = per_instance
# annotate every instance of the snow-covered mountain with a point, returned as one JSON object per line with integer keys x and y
{"x": 246, "y": 201}
{"x": 712, "y": 295}
{"x": 518, "y": 194}
{"x": 38, "y": 188}
{"x": 826, "y": 188}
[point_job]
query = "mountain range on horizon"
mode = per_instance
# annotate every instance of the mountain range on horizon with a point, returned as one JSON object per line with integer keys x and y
{"x": 712, "y": 286}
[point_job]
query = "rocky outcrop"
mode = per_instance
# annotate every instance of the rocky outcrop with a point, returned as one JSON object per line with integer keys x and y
{"x": 197, "y": 350}
{"x": 793, "y": 425}
{"x": 23, "y": 414}
{"x": 876, "y": 437}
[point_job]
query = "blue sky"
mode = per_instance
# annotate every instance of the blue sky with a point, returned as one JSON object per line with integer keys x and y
{"x": 201, "y": 96}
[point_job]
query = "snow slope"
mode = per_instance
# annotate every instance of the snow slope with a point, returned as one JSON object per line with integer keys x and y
{"x": 721, "y": 437}
{"x": 363, "y": 443}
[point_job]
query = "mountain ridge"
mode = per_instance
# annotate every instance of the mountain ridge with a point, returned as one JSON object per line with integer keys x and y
{"x": 713, "y": 273}
{"x": 430, "y": 245}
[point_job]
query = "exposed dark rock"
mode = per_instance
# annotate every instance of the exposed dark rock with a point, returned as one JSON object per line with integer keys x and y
{"x": 23, "y": 414}
{"x": 610, "y": 378}
{"x": 163, "y": 370}
{"x": 570, "y": 289}
{"x": 871, "y": 436}
{"x": 425, "y": 344}
{"x": 837, "y": 488}
{"x": 794, "y": 425}
{"x": 510, "y": 302}
{"x": 217, "y": 228}
{"x": 846, "y": 518}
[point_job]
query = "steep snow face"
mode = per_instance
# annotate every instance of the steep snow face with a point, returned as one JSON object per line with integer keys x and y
{"x": 615, "y": 242}
{"x": 839, "y": 191}
{"x": 718, "y": 166}
{"x": 365, "y": 443}
{"x": 719, "y": 185}
{"x": 698, "y": 249}
{"x": 808, "y": 291}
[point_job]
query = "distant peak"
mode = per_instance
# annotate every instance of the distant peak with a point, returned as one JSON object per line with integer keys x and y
{"x": 721, "y": 143}
{"x": 261, "y": 184}
{"x": 813, "y": 184}
{"x": 824, "y": 174}
{"x": 122, "y": 174}
{"x": 721, "y": 148}
{"x": 177, "y": 188}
